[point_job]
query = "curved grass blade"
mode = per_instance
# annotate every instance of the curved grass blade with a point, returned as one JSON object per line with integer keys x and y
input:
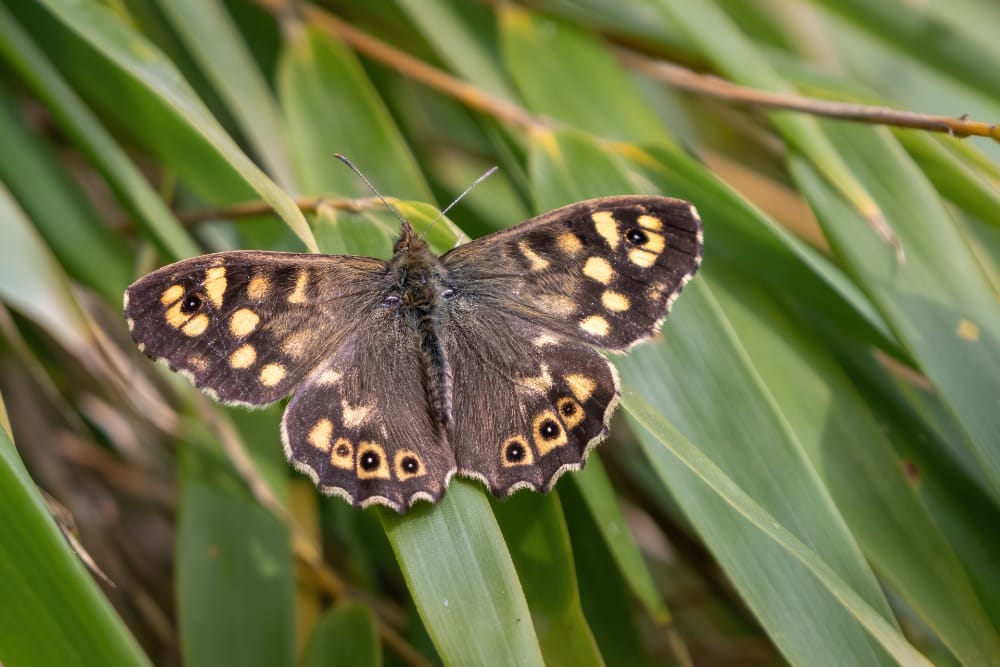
{"x": 346, "y": 635}
{"x": 535, "y": 531}
{"x": 71, "y": 622}
{"x": 938, "y": 302}
{"x": 142, "y": 61}
{"x": 210, "y": 34}
{"x": 78, "y": 122}
{"x": 463, "y": 580}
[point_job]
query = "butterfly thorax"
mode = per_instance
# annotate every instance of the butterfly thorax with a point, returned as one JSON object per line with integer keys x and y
{"x": 418, "y": 289}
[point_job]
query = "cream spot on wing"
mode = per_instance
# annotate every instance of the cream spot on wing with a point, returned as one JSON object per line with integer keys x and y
{"x": 243, "y": 357}
{"x": 354, "y": 415}
{"x": 541, "y": 384}
{"x": 656, "y": 292}
{"x": 215, "y": 284}
{"x": 175, "y": 317}
{"x": 569, "y": 243}
{"x": 243, "y": 322}
{"x": 171, "y": 294}
{"x": 131, "y": 323}
{"x": 298, "y": 295}
{"x": 599, "y": 269}
{"x": 558, "y": 304}
{"x": 606, "y": 226}
{"x": 328, "y": 377}
{"x": 295, "y": 344}
{"x": 581, "y": 386}
{"x": 655, "y": 243}
{"x": 641, "y": 258}
{"x": 196, "y": 326}
{"x": 319, "y": 435}
{"x": 968, "y": 330}
{"x": 615, "y": 301}
{"x": 544, "y": 339}
{"x": 197, "y": 362}
{"x": 258, "y": 287}
{"x": 649, "y": 222}
{"x": 272, "y": 374}
{"x": 595, "y": 325}
{"x": 342, "y": 454}
{"x": 537, "y": 261}
{"x": 142, "y": 347}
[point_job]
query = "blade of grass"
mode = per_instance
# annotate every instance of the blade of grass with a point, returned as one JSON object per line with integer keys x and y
{"x": 71, "y": 621}
{"x": 86, "y": 248}
{"x": 141, "y": 60}
{"x": 347, "y": 636}
{"x": 535, "y": 531}
{"x": 463, "y": 580}
{"x": 938, "y": 302}
{"x": 88, "y": 134}
{"x": 211, "y": 36}
{"x": 864, "y": 475}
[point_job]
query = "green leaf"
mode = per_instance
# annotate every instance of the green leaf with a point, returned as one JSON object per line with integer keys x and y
{"x": 142, "y": 61}
{"x": 235, "y": 585}
{"x": 535, "y": 531}
{"x": 84, "y": 128}
{"x": 51, "y": 612}
{"x": 463, "y": 580}
{"x": 320, "y": 80}
{"x": 346, "y": 635}
{"x": 213, "y": 38}
{"x": 938, "y": 302}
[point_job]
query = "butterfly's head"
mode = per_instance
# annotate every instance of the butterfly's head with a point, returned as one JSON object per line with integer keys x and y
{"x": 408, "y": 242}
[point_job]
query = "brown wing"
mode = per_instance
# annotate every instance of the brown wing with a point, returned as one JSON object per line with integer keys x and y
{"x": 605, "y": 270}
{"x": 247, "y": 326}
{"x": 529, "y": 404}
{"x": 359, "y": 424}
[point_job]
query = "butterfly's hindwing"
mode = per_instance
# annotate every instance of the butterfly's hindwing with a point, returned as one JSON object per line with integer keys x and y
{"x": 548, "y": 402}
{"x": 359, "y": 426}
{"x": 248, "y": 326}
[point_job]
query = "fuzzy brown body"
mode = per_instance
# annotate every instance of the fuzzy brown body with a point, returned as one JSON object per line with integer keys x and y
{"x": 484, "y": 361}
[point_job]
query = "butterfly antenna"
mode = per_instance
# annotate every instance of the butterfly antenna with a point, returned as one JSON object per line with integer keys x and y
{"x": 489, "y": 172}
{"x": 395, "y": 211}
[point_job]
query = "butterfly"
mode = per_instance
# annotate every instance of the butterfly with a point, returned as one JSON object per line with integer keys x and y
{"x": 484, "y": 362}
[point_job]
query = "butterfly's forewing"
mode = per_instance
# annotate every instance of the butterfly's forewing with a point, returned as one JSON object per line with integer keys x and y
{"x": 247, "y": 326}
{"x": 532, "y": 394}
{"x": 605, "y": 270}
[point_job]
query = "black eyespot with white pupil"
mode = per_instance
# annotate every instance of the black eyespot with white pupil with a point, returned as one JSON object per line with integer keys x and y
{"x": 568, "y": 409}
{"x": 549, "y": 429}
{"x": 191, "y": 304}
{"x": 410, "y": 464}
{"x": 515, "y": 451}
{"x": 343, "y": 450}
{"x": 370, "y": 461}
{"x": 636, "y": 236}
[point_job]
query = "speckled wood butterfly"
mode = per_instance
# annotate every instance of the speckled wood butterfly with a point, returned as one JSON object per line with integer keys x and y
{"x": 483, "y": 362}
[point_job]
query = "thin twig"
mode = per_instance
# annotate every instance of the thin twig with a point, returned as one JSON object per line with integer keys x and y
{"x": 703, "y": 84}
